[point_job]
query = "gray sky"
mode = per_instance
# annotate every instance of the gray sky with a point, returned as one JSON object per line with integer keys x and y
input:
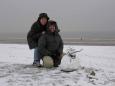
{"x": 98, "y": 16}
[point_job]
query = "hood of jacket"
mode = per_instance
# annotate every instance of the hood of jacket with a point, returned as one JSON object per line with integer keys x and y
{"x": 51, "y": 22}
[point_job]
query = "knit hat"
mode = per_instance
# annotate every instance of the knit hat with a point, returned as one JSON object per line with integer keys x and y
{"x": 41, "y": 15}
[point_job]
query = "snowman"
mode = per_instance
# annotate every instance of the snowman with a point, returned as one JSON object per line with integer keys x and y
{"x": 70, "y": 62}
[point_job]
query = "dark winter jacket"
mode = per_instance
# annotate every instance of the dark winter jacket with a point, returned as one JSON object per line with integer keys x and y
{"x": 50, "y": 43}
{"x": 34, "y": 34}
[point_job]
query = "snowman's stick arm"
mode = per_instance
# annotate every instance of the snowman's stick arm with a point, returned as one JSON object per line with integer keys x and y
{"x": 72, "y": 52}
{"x": 76, "y": 51}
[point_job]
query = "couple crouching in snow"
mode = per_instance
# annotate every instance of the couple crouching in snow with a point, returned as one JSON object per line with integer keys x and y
{"x": 46, "y": 42}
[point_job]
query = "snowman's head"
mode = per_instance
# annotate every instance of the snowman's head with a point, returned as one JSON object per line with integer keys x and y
{"x": 71, "y": 53}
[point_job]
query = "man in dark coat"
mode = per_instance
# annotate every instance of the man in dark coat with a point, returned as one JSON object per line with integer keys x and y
{"x": 37, "y": 29}
{"x": 51, "y": 44}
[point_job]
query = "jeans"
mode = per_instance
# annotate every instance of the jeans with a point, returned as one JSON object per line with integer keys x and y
{"x": 37, "y": 56}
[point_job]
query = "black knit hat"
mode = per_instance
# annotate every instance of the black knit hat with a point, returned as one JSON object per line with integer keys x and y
{"x": 41, "y": 15}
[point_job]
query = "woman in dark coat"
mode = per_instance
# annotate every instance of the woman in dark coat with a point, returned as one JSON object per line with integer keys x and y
{"x": 37, "y": 29}
{"x": 51, "y": 44}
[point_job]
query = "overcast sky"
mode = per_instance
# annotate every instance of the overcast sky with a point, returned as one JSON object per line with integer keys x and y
{"x": 71, "y": 15}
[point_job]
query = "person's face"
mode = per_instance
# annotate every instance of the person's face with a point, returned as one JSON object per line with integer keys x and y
{"x": 43, "y": 21}
{"x": 52, "y": 28}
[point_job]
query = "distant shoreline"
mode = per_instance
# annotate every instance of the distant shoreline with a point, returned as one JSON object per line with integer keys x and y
{"x": 67, "y": 41}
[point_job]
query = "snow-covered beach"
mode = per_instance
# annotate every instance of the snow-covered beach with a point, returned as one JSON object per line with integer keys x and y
{"x": 15, "y": 58}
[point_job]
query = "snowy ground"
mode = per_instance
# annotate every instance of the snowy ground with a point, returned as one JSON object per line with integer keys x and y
{"x": 14, "y": 69}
